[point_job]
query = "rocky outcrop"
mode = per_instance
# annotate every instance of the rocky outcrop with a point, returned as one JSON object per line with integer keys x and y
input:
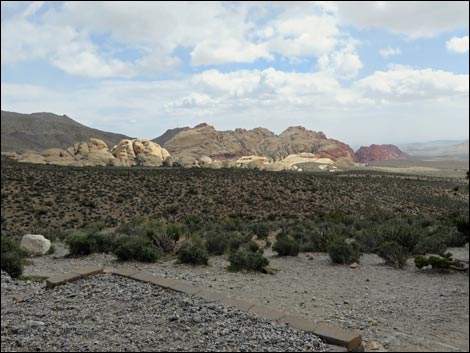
{"x": 205, "y": 140}
{"x": 379, "y": 153}
{"x": 139, "y": 152}
{"x": 35, "y": 244}
{"x": 95, "y": 152}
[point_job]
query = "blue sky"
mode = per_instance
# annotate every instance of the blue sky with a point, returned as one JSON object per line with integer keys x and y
{"x": 369, "y": 72}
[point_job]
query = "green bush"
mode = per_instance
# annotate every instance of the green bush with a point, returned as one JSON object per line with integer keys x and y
{"x": 236, "y": 239}
{"x": 193, "y": 252}
{"x": 434, "y": 244}
{"x": 261, "y": 230}
{"x": 82, "y": 243}
{"x": 51, "y": 250}
{"x": 285, "y": 245}
{"x": 13, "y": 257}
{"x": 136, "y": 248}
{"x": 216, "y": 243}
{"x": 344, "y": 252}
{"x": 393, "y": 253}
{"x": 78, "y": 244}
{"x": 405, "y": 234}
{"x": 244, "y": 259}
{"x": 444, "y": 262}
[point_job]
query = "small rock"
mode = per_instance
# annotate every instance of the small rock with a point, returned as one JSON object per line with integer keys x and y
{"x": 354, "y": 265}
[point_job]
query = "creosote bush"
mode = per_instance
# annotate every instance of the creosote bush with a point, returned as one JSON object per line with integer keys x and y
{"x": 245, "y": 259}
{"x": 285, "y": 245}
{"x": 13, "y": 257}
{"x": 394, "y": 254}
{"x": 83, "y": 243}
{"x": 130, "y": 248}
{"x": 342, "y": 251}
{"x": 193, "y": 252}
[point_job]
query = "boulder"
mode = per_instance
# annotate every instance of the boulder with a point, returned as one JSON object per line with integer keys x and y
{"x": 35, "y": 244}
{"x": 205, "y": 161}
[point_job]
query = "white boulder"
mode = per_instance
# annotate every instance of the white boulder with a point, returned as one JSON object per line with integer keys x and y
{"x": 35, "y": 244}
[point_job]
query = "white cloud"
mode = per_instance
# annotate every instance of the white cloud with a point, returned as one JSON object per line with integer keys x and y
{"x": 344, "y": 64}
{"x": 215, "y": 52}
{"x": 458, "y": 45}
{"x": 404, "y": 84}
{"x": 386, "y": 52}
{"x": 399, "y": 102}
{"x": 415, "y": 19}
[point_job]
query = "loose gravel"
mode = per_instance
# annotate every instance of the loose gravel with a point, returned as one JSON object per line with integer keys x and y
{"x": 111, "y": 313}
{"x": 404, "y": 310}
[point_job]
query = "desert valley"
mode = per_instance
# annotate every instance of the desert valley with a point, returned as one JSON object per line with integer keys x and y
{"x": 233, "y": 176}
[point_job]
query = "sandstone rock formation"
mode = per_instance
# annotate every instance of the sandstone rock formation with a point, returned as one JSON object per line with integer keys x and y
{"x": 139, "y": 152}
{"x": 95, "y": 152}
{"x": 35, "y": 244}
{"x": 379, "y": 153}
{"x": 205, "y": 140}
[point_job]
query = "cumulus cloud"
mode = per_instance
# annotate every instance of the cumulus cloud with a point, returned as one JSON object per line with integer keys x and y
{"x": 415, "y": 19}
{"x": 403, "y": 99}
{"x": 386, "y": 52}
{"x": 458, "y": 45}
{"x": 404, "y": 84}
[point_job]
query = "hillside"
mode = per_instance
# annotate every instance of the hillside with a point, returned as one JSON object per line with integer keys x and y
{"x": 40, "y": 131}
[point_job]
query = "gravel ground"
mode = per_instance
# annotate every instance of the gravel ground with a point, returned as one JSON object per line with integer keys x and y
{"x": 404, "y": 310}
{"x": 110, "y": 313}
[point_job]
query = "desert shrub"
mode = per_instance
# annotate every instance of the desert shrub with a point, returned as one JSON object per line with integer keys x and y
{"x": 136, "y": 248}
{"x": 317, "y": 239}
{"x": 393, "y": 253}
{"x": 252, "y": 246}
{"x": 444, "y": 262}
{"x": 51, "y": 250}
{"x": 342, "y": 251}
{"x": 163, "y": 241}
{"x": 405, "y": 234}
{"x": 434, "y": 244}
{"x": 463, "y": 226}
{"x": 216, "y": 243}
{"x": 261, "y": 230}
{"x": 174, "y": 231}
{"x": 368, "y": 240}
{"x": 285, "y": 245}
{"x": 78, "y": 244}
{"x": 83, "y": 243}
{"x": 236, "y": 239}
{"x": 244, "y": 259}
{"x": 193, "y": 252}
{"x": 13, "y": 257}
{"x": 232, "y": 224}
{"x": 101, "y": 243}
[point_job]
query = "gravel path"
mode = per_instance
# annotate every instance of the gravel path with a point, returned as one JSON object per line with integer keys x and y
{"x": 406, "y": 310}
{"x": 110, "y": 313}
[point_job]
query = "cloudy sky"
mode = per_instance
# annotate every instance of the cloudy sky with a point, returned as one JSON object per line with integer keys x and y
{"x": 363, "y": 72}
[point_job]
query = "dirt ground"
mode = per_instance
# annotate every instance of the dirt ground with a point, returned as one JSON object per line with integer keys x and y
{"x": 403, "y": 310}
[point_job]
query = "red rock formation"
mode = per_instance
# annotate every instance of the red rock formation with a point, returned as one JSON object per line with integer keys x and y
{"x": 379, "y": 153}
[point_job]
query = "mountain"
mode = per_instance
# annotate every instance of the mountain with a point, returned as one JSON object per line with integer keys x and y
{"x": 169, "y": 134}
{"x": 379, "y": 153}
{"x": 439, "y": 149}
{"x": 205, "y": 140}
{"x": 40, "y": 131}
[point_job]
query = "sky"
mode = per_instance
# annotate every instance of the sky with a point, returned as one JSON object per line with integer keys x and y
{"x": 361, "y": 72}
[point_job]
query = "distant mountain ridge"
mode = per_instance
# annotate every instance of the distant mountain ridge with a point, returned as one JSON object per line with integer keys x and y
{"x": 439, "y": 149}
{"x": 40, "y": 131}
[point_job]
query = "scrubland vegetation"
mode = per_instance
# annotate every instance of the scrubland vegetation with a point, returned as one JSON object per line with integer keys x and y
{"x": 191, "y": 215}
